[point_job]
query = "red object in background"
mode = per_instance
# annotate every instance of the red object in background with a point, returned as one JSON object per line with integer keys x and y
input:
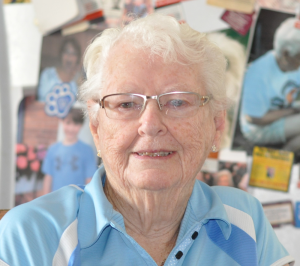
{"x": 20, "y": 148}
{"x": 94, "y": 15}
{"x": 160, "y": 3}
{"x": 35, "y": 166}
{"x": 240, "y": 22}
{"x": 22, "y": 162}
{"x": 88, "y": 17}
{"x": 41, "y": 152}
{"x": 297, "y": 24}
{"x": 31, "y": 155}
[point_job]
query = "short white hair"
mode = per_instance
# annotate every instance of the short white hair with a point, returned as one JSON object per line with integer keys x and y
{"x": 163, "y": 36}
{"x": 287, "y": 37}
{"x": 221, "y": 173}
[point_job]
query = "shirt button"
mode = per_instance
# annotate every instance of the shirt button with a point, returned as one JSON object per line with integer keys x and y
{"x": 178, "y": 254}
{"x": 194, "y": 235}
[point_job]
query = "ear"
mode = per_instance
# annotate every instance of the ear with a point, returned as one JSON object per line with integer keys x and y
{"x": 220, "y": 120}
{"x": 94, "y": 131}
{"x": 285, "y": 53}
{"x": 93, "y": 126}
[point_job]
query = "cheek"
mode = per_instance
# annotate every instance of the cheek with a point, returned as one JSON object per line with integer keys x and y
{"x": 194, "y": 137}
{"x": 115, "y": 138}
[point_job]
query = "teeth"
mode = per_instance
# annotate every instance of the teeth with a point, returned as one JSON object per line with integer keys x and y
{"x": 155, "y": 154}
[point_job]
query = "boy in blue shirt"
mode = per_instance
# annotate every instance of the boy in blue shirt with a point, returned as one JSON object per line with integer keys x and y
{"x": 70, "y": 161}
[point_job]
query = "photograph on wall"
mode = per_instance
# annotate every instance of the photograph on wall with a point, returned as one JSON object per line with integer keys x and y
{"x": 280, "y": 5}
{"x": 121, "y": 12}
{"x": 279, "y": 213}
{"x": 229, "y": 169}
{"x": 54, "y": 145}
{"x": 269, "y": 114}
{"x": 271, "y": 168}
{"x": 47, "y": 159}
{"x": 113, "y": 10}
{"x": 136, "y": 8}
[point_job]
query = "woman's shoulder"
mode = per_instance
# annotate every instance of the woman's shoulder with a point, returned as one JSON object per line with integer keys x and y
{"x": 48, "y": 209}
{"x": 240, "y": 200}
{"x": 43, "y": 220}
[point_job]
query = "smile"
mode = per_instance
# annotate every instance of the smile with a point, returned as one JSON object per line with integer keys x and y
{"x": 155, "y": 154}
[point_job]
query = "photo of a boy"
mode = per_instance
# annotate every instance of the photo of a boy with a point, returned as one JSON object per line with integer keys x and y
{"x": 69, "y": 161}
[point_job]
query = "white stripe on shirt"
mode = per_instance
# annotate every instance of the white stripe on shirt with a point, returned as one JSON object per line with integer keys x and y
{"x": 241, "y": 220}
{"x": 67, "y": 245}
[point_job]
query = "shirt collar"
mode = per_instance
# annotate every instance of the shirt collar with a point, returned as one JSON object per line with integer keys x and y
{"x": 96, "y": 212}
{"x": 204, "y": 205}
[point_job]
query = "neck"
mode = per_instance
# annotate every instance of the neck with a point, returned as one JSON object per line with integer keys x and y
{"x": 70, "y": 141}
{"x": 151, "y": 218}
{"x": 66, "y": 75}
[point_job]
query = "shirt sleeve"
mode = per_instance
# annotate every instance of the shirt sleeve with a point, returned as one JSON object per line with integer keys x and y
{"x": 255, "y": 102}
{"x": 47, "y": 166}
{"x": 31, "y": 233}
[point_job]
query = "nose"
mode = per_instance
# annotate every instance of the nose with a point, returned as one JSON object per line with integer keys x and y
{"x": 151, "y": 120}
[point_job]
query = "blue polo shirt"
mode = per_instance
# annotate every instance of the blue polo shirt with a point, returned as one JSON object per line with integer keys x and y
{"x": 77, "y": 226}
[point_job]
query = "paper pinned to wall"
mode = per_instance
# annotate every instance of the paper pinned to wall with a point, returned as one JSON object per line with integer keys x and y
{"x": 175, "y": 11}
{"x": 203, "y": 17}
{"x": 24, "y": 44}
{"x": 51, "y": 15}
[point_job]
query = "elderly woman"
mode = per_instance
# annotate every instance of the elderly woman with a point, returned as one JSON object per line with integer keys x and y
{"x": 155, "y": 98}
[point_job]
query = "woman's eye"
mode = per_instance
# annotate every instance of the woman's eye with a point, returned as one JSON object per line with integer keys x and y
{"x": 177, "y": 103}
{"x": 127, "y": 105}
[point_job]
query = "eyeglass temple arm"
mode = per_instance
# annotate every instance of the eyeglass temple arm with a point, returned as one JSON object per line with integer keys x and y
{"x": 101, "y": 102}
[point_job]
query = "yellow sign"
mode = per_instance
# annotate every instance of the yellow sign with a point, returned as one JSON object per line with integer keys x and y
{"x": 244, "y": 6}
{"x": 271, "y": 168}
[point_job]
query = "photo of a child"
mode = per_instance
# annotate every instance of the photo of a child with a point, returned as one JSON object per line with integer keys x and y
{"x": 70, "y": 161}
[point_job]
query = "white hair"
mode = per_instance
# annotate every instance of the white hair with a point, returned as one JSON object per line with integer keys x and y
{"x": 221, "y": 173}
{"x": 287, "y": 37}
{"x": 163, "y": 36}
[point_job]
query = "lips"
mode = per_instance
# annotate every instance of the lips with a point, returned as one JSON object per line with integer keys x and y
{"x": 155, "y": 154}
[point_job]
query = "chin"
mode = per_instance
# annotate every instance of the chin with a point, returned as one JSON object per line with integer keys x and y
{"x": 154, "y": 181}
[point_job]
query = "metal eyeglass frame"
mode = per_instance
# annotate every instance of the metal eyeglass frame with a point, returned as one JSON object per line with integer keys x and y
{"x": 207, "y": 98}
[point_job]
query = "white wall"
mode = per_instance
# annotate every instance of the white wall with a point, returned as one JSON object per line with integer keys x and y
{"x": 6, "y": 141}
{"x": 20, "y": 48}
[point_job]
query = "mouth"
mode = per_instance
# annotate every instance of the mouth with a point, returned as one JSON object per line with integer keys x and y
{"x": 155, "y": 154}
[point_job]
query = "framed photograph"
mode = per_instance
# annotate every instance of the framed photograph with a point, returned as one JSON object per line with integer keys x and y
{"x": 271, "y": 169}
{"x": 53, "y": 136}
{"x": 279, "y": 213}
{"x": 229, "y": 169}
{"x": 269, "y": 112}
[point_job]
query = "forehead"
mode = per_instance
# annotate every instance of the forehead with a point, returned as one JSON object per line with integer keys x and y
{"x": 132, "y": 68}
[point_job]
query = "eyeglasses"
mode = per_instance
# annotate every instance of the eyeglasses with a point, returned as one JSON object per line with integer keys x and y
{"x": 174, "y": 104}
